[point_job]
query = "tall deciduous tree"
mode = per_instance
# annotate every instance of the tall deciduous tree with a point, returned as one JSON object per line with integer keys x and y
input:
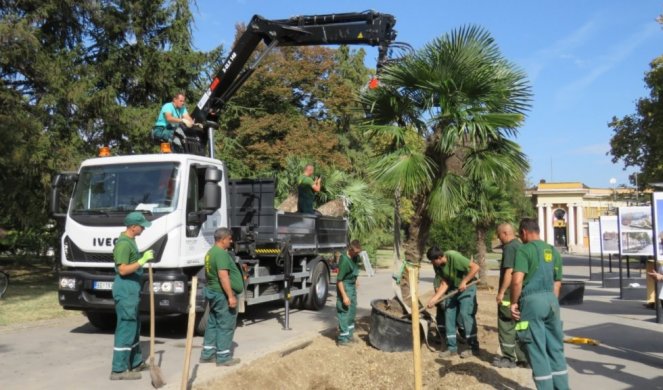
{"x": 78, "y": 74}
{"x": 637, "y": 139}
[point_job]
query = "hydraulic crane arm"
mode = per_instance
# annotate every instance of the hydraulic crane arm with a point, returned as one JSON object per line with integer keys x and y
{"x": 366, "y": 28}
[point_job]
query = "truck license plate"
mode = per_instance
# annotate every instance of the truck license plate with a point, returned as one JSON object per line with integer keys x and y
{"x": 99, "y": 285}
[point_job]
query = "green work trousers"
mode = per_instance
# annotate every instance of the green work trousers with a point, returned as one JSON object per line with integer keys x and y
{"x": 220, "y": 328}
{"x": 126, "y": 347}
{"x": 346, "y": 314}
{"x": 461, "y": 308}
{"x": 540, "y": 331}
{"x": 506, "y": 331}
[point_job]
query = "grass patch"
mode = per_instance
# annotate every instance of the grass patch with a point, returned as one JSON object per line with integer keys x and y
{"x": 32, "y": 293}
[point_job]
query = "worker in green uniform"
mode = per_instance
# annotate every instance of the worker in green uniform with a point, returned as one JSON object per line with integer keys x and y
{"x": 454, "y": 271}
{"x": 535, "y": 284}
{"x": 512, "y": 353}
{"x": 127, "y": 356}
{"x": 307, "y": 186}
{"x": 224, "y": 283}
{"x": 171, "y": 115}
{"x": 346, "y": 293}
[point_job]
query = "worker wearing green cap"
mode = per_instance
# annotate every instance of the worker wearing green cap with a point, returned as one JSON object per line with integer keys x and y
{"x": 535, "y": 284}
{"x": 127, "y": 357}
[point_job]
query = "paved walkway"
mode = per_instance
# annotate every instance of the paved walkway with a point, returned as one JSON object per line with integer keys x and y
{"x": 631, "y": 352}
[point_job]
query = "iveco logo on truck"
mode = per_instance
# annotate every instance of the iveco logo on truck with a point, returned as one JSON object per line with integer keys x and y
{"x": 101, "y": 241}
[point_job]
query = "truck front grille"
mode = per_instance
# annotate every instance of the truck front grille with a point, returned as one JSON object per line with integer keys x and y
{"x": 74, "y": 253}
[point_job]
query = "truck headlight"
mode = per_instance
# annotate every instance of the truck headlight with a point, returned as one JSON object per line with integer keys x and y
{"x": 67, "y": 283}
{"x": 166, "y": 287}
{"x": 178, "y": 287}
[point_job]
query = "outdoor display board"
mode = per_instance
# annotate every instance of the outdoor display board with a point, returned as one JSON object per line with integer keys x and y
{"x": 636, "y": 231}
{"x": 657, "y": 205}
{"x": 594, "y": 236}
{"x": 609, "y": 234}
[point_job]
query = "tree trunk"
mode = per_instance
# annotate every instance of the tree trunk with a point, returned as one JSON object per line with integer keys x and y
{"x": 419, "y": 229}
{"x": 397, "y": 225}
{"x": 481, "y": 232}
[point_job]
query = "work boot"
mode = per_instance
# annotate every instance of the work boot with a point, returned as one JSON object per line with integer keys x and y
{"x": 141, "y": 367}
{"x": 448, "y": 353}
{"x": 504, "y": 363}
{"x": 210, "y": 359}
{"x": 469, "y": 353}
{"x": 228, "y": 363}
{"x": 343, "y": 343}
{"x": 125, "y": 376}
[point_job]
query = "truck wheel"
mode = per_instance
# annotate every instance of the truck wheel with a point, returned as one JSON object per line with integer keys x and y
{"x": 102, "y": 320}
{"x": 319, "y": 290}
{"x": 201, "y": 321}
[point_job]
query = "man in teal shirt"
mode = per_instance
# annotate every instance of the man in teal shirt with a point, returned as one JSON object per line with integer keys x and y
{"x": 307, "y": 186}
{"x": 127, "y": 356}
{"x": 166, "y": 127}
{"x": 346, "y": 293}
{"x": 454, "y": 271}
{"x": 512, "y": 353}
{"x": 535, "y": 284}
{"x": 224, "y": 283}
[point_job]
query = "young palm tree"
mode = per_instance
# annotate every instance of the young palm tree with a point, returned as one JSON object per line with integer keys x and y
{"x": 463, "y": 99}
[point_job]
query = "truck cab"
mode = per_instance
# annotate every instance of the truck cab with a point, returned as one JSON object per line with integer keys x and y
{"x": 181, "y": 194}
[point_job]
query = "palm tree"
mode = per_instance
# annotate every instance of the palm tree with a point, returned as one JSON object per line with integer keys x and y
{"x": 464, "y": 100}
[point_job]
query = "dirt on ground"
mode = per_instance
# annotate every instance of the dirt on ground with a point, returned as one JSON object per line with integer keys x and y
{"x": 320, "y": 364}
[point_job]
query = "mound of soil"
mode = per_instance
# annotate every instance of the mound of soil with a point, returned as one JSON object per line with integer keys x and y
{"x": 323, "y": 365}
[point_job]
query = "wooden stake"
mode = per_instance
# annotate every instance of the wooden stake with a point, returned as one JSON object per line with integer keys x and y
{"x": 413, "y": 274}
{"x": 189, "y": 334}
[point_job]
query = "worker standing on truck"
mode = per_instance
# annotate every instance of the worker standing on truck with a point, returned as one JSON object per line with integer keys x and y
{"x": 167, "y": 126}
{"x": 127, "y": 356}
{"x": 535, "y": 284}
{"x": 346, "y": 294}
{"x": 512, "y": 353}
{"x": 454, "y": 271}
{"x": 307, "y": 186}
{"x": 224, "y": 282}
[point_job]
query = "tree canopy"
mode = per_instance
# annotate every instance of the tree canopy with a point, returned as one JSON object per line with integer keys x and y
{"x": 637, "y": 138}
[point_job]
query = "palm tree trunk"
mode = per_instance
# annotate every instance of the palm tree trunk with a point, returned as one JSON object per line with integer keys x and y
{"x": 419, "y": 229}
{"x": 481, "y": 232}
{"x": 397, "y": 225}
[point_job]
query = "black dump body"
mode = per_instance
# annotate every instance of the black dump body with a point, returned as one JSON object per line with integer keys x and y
{"x": 259, "y": 229}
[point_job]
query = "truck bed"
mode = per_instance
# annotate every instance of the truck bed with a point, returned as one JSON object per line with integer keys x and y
{"x": 255, "y": 221}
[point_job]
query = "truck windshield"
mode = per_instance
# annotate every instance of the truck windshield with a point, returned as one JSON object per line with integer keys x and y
{"x": 149, "y": 187}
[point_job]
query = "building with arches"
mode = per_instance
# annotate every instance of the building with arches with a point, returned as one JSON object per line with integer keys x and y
{"x": 564, "y": 208}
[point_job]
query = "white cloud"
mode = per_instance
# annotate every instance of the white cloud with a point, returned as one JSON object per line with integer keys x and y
{"x": 591, "y": 150}
{"x": 618, "y": 53}
{"x": 560, "y": 49}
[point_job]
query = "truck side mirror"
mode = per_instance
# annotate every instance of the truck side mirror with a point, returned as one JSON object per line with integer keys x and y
{"x": 61, "y": 189}
{"x": 211, "y": 196}
{"x": 212, "y": 191}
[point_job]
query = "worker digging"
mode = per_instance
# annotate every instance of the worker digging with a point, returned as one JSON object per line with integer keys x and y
{"x": 454, "y": 271}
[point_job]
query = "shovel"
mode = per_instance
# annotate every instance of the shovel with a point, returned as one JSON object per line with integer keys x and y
{"x": 189, "y": 333}
{"x": 155, "y": 371}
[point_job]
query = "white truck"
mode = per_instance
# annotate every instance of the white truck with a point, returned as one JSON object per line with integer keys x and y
{"x": 187, "y": 196}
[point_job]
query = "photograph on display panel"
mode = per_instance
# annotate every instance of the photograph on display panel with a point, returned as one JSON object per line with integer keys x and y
{"x": 609, "y": 234}
{"x": 636, "y": 231}
{"x": 658, "y": 227}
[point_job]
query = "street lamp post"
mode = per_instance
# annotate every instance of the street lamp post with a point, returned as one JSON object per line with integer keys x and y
{"x": 613, "y": 182}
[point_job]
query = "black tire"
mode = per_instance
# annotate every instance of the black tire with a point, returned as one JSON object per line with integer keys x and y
{"x": 201, "y": 321}
{"x": 319, "y": 290}
{"x": 102, "y": 320}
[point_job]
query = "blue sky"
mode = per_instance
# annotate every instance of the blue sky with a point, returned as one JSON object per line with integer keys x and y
{"x": 585, "y": 59}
